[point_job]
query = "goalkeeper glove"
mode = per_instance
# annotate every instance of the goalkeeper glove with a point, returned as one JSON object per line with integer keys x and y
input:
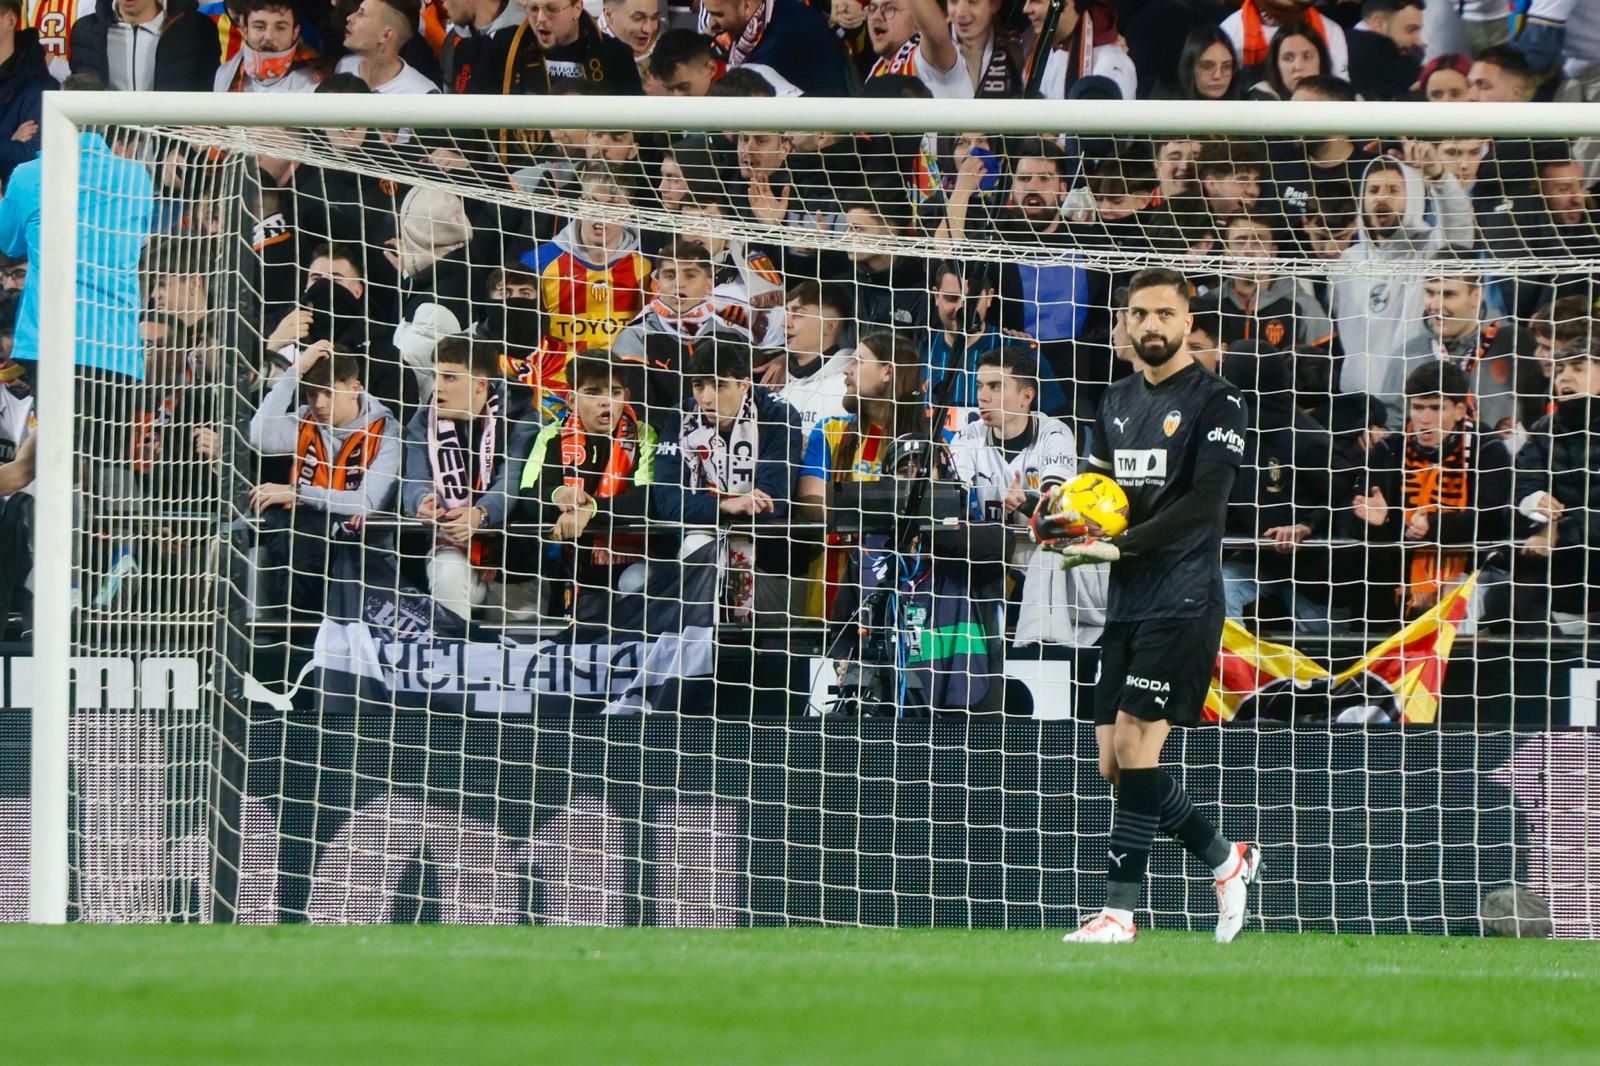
{"x": 1087, "y": 550}
{"x": 1050, "y": 528}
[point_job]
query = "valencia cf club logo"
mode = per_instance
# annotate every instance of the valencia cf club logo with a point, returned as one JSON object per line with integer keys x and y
{"x": 597, "y": 293}
{"x": 1378, "y": 298}
{"x": 1274, "y": 332}
{"x": 1169, "y": 425}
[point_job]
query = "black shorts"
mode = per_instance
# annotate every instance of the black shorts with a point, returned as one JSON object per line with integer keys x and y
{"x": 1157, "y": 670}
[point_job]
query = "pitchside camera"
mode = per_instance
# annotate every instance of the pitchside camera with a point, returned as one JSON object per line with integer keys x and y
{"x": 888, "y": 504}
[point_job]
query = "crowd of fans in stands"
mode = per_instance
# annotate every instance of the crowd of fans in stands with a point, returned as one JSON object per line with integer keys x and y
{"x": 555, "y": 397}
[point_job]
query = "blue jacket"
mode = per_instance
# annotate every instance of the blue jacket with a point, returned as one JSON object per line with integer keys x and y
{"x": 115, "y": 204}
{"x": 779, "y": 450}
{"x": 24, "y": 79}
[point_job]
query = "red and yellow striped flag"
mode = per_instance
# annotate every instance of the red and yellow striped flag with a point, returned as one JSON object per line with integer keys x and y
{"x": 1412, "y": 661}
{"x": 1245, "y": 664}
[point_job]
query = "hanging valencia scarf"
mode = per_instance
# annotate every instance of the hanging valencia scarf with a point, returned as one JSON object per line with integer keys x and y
{"x": 1435, "y": 483}
{"x": 620, "y": 460}
{"x": 1255, "y": 35}
{"x": 725, "y": 465}
{"x": 1095, "y": 27}
{"x": 1001, "y": 76}
{"x": 904, "y": 61}
{"x": 739, "y": 51}
{"x": 346, "y": 471}
{"x": 448, "y": 457}
{"x": 447, "y": 454}
{"x": 1470, "y": 362}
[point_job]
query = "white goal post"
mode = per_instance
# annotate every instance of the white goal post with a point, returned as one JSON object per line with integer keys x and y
{"x": 66, "y": 115}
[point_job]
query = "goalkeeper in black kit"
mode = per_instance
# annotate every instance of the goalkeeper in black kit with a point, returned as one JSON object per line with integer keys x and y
{"x": 1172, "y": 436}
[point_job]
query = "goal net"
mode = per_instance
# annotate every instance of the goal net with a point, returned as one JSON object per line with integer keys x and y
{"x": 626, "y": 520}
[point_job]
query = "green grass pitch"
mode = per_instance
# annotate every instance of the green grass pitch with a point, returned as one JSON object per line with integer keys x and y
{"x": 829, "y": 997}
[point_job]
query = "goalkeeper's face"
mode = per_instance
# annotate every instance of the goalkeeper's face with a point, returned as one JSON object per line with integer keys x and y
{"x": 1158, "y": 322}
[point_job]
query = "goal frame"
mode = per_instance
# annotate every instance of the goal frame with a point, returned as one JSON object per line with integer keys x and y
{"x": 65, "y": 115}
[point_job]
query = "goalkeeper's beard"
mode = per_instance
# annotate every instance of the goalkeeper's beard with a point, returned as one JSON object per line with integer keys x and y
{"x": 1158, "y": 350}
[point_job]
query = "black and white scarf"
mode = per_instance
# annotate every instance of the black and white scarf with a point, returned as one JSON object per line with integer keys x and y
{"x": 726, "y": 466}
{"x": 448, "y": 455}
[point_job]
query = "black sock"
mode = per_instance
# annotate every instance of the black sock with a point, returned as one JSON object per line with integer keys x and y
{"x": 1133, "y": 828}
{"x": 1181, "y": 821}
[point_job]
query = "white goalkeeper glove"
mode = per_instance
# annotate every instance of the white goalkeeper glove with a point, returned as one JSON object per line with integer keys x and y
{"x": 1086, "y": 550}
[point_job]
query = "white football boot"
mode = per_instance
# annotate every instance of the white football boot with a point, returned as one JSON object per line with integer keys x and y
{"x": 1102, "y": 929}
{"x": 1233, "y": 892}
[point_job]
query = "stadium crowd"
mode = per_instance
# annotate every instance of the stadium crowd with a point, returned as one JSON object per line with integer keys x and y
{"x": 524, "y": 407}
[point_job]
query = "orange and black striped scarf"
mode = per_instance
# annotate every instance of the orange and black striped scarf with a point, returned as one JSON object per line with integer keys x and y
{"x": 1434, "y": 483}
{"x": 622, "y": 456}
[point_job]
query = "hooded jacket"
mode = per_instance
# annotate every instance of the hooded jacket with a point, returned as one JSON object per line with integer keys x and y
{"x": 24, "y": 79}
{"x": 275, "y": 430}
{"x": 511, "y": 446}
{"x": 1376, "y": 314}
{"x": 1286, "y": 317}
{"x": 588, "y": 303}
{"x": 660, "y": 342}
{"x": 187, "y": 52}
{"x": 778, "y": 450}
{"x": 435, "y": 277}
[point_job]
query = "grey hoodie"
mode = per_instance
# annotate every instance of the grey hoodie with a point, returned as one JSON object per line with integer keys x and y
{"x": 1311, "y": 325}
{"x": 275, "y": 430}
{"x": 1378, "y": 310}
{"x": 511, "y": 447}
